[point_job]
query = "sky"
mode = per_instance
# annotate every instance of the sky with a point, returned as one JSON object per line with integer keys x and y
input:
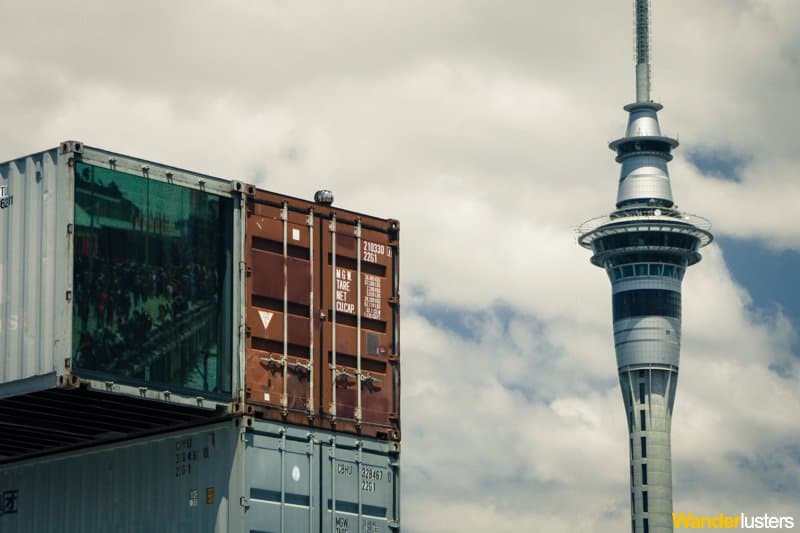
{"x": 483, "y": 127}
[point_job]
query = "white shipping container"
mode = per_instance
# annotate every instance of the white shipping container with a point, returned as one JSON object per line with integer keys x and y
{"x": 122, "y": 278}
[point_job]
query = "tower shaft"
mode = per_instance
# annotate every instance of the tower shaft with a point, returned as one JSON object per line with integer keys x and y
{"x": 648, "y": 395}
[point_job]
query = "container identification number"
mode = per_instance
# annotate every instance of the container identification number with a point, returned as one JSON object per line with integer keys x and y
{"x": 372, "y": 250}
{"x": 186, "y": 455}
{"x": 6, "y": 200}
{"x": 369, "y": 478}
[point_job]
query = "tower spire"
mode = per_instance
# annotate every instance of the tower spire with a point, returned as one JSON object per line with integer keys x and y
{"x": 642, "y": 51}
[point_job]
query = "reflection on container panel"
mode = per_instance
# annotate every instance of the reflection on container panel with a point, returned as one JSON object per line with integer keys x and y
{"x": 152, "y": 281}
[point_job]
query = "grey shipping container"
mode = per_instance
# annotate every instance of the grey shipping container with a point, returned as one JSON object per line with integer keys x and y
{"x": 238, "y": 475}
{"x": 121, "y": 297}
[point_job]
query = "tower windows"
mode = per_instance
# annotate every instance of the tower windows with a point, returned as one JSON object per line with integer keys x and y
{"x": 645, "y": 269}
{"x": 646, "y": 302}
{"x": 642, "y": 426}
{"x": 646, "y": 525}
{"x": 644, "y": 501}
{"x": 646, "y": 238}
{"x": 644, "y": 446}
{"x": 646, "y": 257}
{"x": 641, "y": 392}
{"x": 644, "y": 474}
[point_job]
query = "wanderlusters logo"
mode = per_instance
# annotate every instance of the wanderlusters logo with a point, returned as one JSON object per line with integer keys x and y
{"x": 5, "y": 198}
{"x": 723, "y": 521}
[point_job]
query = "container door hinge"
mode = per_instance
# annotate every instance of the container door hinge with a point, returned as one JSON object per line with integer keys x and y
{"x": 394, "y": 525}
{"x": 244, "y": 502}
{"x": 394, "y": 300}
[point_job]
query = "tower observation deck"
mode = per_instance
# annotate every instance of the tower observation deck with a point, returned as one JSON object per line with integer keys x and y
{"x": 645, "y": 246}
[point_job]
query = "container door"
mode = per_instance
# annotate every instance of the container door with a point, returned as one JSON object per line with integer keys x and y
{"x": 280, "y": 307}
{"x": 281, "y": 475}
{"x": 360, "y": 378}
{"x": 359, "y": 490}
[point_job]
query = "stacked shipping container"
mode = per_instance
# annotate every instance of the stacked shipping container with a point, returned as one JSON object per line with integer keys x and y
{"x": 322, "y": 316}
{"x": 217, "y": 478}
{"x": 137, "y": 298}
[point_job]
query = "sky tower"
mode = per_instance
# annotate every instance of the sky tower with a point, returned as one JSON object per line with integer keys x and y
{"x": 645, "y": 246}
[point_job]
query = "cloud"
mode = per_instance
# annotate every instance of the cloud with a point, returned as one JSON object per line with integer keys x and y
{"x": 483, "y": 128}
{"x": 520, "y": 419}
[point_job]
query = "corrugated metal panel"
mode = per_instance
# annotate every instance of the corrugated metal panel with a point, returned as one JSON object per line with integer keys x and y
{"x": 35, "y": 270}
{"x": 220, "y": 478}
{"x": 323, "y": 323}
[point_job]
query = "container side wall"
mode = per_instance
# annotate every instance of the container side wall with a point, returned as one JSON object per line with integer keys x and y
{"x": 35, "y": 271}
{"x": 215, "y": 479}
{"x": 189, "y": 481}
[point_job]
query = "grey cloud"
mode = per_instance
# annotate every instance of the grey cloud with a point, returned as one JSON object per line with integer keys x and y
{"x": 483, "y": 127}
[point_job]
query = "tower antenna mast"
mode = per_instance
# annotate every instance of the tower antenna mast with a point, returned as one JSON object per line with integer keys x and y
{"x": 642, "y": 50}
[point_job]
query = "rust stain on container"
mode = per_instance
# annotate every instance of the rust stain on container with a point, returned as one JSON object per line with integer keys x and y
{"x": 322, "y": 301}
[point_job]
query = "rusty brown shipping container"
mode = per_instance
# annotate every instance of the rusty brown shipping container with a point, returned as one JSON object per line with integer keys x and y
{"x": 322, "y": 338}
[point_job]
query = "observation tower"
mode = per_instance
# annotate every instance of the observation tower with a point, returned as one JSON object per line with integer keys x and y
{"x": 645, "y": 246}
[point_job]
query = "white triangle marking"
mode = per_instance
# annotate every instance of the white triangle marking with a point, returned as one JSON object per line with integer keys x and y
{"x": 266, "y": 318}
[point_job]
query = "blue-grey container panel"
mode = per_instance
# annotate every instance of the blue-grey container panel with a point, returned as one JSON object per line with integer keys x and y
{"x": 219, "y": 478}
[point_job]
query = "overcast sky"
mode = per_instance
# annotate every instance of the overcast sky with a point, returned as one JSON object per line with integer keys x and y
{"x": 483, "y": 126}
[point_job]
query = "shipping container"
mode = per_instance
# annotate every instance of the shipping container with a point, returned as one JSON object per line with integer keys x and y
{"x": 322, "y": 297}
{"x": 238, "y": 475}
{"x": 118, "y": 276}
{"x": 124, "y": 281}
